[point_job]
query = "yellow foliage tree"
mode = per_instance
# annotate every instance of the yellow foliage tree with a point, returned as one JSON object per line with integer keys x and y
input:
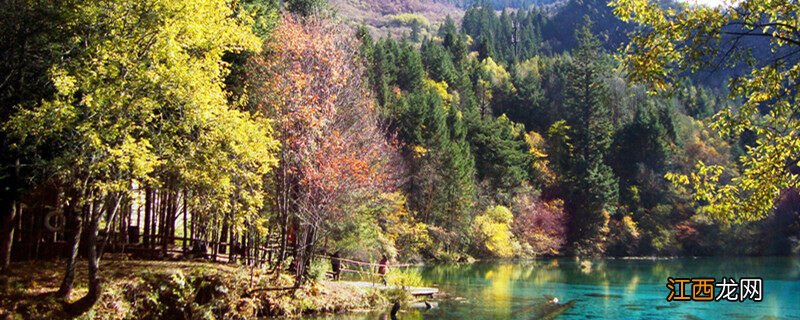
{"x": 493, "y": 230}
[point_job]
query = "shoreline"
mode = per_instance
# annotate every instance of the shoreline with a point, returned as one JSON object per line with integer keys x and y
{"x": 142, "y": 289}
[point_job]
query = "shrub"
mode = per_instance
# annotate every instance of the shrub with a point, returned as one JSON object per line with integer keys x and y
{"x": 405, "y": 278}
{"x": 493, "y": 231}
{"x": 541, "y": 225}
{"x": 409, "y": 19}
{"x": 319, "y": 268}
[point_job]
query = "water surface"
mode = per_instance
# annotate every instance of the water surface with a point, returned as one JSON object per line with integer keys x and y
{"x": 607, "y": 288}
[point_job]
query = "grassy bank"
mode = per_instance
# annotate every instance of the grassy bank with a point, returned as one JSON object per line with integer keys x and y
{"x": 175, "y": 290}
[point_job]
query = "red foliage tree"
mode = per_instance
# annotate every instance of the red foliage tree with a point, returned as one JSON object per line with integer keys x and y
{"x": 310, "y": 81}
{"x": 542, "y": 225}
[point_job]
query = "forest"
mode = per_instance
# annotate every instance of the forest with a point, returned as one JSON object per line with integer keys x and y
{"x": 258, "y": 132}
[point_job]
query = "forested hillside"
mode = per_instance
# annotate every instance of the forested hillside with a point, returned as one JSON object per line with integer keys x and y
{"x": 575, "y": 151}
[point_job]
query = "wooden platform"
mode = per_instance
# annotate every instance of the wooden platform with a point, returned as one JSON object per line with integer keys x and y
{"x": 414, "y": 291}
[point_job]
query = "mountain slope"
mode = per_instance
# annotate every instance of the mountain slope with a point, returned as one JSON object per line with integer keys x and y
{"x": 393, "y": 17}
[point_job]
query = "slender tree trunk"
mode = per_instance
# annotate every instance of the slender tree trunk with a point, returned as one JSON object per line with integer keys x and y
{"x": 223, "y": 237}
{"x": 173, "y": 216}
{"x": 7, "y": 225}
{"x": 154, "y": 220}
{"x": 11, "y": 211}
{"x": 159, "y": 229}
{"x": 245, "y": 240}
{"x": 165, "y": 220}
{"x": 123, "y": 221}
{"x": 185, "y": 224}
{"x": 138, "y": 218}
{"x": 92, "y": 255}
{"x": 311, "y": 242}
{"x": 216, "y": 235}
{"x": 193, "y": 230}
{"x": 75, "y": 223}
{"x": 148, "y": 211}
{"x": 298, "y": 255}
{"x": 112, "y": 215}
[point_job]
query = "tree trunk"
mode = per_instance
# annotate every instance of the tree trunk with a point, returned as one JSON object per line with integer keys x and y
{"x": 185, "y": 224}
{"x": 93, "y": 256}
{"x": 193, "y": 230}
{"x": 166, "y": 207}
{"x": 7, "y": 225}
{"x": 311, "y": 242}
{"x": 75, "y": 224}
{"x": 223, "y": 237}
{"x": 148, "y": 211}
{"x": 154, "y": 219}
{"x": 299, "y": 259}
{"x": 233, "y": 240}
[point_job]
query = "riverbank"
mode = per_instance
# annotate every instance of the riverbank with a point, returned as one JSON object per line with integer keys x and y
{"x": 177, "y": 290}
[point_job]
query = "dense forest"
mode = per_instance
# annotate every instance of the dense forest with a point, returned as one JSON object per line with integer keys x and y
{"x": 525, "y": 129}
{"x": 575, "y": 179}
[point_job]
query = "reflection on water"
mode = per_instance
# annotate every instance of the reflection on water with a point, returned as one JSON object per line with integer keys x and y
{"x": 627, "y": 289}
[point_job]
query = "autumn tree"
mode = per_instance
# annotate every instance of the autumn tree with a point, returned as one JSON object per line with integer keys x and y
{"x": 541, "y": 226}
{"x": 139, "y": 90}
{"x": 493, "y": 232}
{"x": 671, "y": 42}
{"x": 310, "y": 81}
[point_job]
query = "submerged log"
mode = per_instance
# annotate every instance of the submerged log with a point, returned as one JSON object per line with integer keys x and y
{"x": 551, "y": 310}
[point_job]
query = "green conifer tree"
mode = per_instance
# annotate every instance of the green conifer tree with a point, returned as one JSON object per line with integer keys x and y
{"x": 591, "y": 184}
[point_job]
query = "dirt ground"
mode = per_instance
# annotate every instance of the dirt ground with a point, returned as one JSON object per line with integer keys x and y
{"x": 171, "y": 289}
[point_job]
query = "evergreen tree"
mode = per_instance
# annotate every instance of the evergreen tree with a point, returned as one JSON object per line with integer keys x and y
{"x": 501, "y": 155}
{"x": 410, "y": 70}
{"x": 384, "y": 65}
{"x": 511, "y": 36}
{"x": 442, "y": 178}
{"x": 591, "y": 183}
{"x": 459, "y": 171}
{"x": 485, "y": 47}
{"x": 306, "y": 7}
{"x": 438, "y": 62}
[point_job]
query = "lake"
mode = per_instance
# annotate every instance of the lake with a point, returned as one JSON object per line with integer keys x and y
{"x": 604, "y": 288}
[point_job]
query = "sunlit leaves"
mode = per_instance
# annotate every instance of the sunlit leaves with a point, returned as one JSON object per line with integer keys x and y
{"x": 309, "y": 80}
{"x": 139, "y": 96}
{"x": 669, "y": 42}
{"x": 494, "y": 228}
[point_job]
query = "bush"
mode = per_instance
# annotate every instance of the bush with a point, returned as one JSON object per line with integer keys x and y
{"x": 405, "y": 278}
{"x": 319, "y": 268}
{"x": 541, "y": 225}
{"x": 409, "y": 19}
{"x": 493, "y": 231}
{"x": 624, "y": 236}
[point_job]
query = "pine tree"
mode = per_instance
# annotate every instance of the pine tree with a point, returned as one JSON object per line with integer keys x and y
{"x": 384, "y": 67}
{"x": 306, "y": 7}
{"x": 591, "y": 183}
{"x": 438, "y": 62}
{"x": 459, "y": 172}
{"x": 410, "y": 70}
{"x": 485, "y": 47}
{"x": 501, "y": 155}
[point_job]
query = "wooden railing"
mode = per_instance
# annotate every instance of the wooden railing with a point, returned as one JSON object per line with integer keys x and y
{"x": 221, "y": 251}
{"x": 369, "y": 269}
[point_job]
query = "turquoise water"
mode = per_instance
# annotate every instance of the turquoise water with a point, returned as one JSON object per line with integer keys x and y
{"x": 607, "y": 288}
